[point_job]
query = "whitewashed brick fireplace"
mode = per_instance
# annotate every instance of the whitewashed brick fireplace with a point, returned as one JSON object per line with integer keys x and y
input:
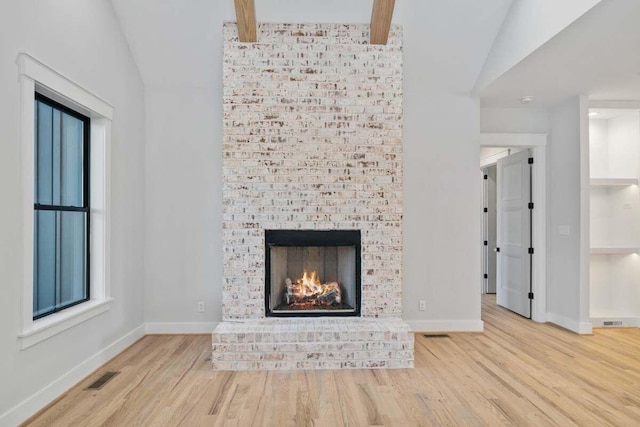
{"x": 312, "y": 141}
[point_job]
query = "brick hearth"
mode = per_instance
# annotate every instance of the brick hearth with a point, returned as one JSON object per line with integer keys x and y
{"x": 313, "y": 344}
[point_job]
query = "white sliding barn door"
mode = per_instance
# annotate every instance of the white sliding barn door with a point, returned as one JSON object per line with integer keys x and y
{"x": 514, "y": 233}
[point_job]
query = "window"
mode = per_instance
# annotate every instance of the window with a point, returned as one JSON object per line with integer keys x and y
{"x": 61, "y": 217}
{"x": 65, "y": 138}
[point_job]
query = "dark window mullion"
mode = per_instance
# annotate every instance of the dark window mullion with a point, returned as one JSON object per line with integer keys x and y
{"x": 36, "y": 191}
{"x": 40, "y": 207}
{"x": 36, "y": 135}
{"x": 60, "y": 157}
{"x": 58, "y": 309}
{"x": 52, "y": 156}
{"x": 86, "y": 201}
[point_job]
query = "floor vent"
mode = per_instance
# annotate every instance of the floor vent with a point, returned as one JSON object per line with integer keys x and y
{"x": 100, "y": 382}
{"x": 612, "y": 323}
{"x": 436, "y": 335}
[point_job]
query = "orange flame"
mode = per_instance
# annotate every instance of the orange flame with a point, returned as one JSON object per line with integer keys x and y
{"x": 309, "y": 289}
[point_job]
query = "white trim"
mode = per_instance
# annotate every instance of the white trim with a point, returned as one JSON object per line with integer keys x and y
{"x": 583, "y": 328}
{"x": 36, "y": 76}
{"x": 27, "y": 135}
{"x": 538, "y": 145}
{"x": 71, "y": 91}
{"x": 100, "y": 208}
{"x": 492, "y": 160}
{"x": 513, "y": 139}
{"x": 539, "y": 308}
{"x": 584, "y": 283}
{"x": 159, "y": 328}
{"x": 54, "y": 324}
{"x": 627, "y": 322}
{"x": 446, "y": 325}
{"x": 47, "y": 394}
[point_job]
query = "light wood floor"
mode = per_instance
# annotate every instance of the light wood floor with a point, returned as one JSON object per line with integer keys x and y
{"x": 515, "y": 373}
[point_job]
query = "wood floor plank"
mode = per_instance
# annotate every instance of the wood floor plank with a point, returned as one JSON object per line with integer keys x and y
{"x": 516, "y": 373}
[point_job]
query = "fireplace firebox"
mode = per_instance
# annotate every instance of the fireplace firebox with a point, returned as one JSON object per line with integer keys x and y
{"x": 310, "y": 273}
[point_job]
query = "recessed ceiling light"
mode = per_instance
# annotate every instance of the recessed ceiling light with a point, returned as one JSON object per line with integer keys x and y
{"x": 593, "y": 114}
{"x": 526, "y": 99}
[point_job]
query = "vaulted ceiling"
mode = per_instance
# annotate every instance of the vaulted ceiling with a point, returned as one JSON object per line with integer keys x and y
{"x": 178, "y": 43}
{"x": 574, "y": 47}
{"x": 597, "y": 55}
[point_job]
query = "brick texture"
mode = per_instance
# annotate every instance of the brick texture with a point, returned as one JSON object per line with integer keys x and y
{"x": 312, "y": 140}
{"x": 337, "y": 343}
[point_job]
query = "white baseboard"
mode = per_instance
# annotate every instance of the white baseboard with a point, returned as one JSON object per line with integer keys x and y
{"x": 446, "y": 325}
{"x": 158, "y": 328}
{"x": 627, "y": 322}
{"x": 47, "y": 394}
{"x": 570, "y": 324}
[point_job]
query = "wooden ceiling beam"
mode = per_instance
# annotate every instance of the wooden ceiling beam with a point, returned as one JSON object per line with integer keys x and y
{"x": 246, "y": 17}
{"x": 381, "y": 20}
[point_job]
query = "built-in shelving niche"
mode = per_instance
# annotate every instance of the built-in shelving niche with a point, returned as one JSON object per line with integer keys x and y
{"x": 614, "y": 149}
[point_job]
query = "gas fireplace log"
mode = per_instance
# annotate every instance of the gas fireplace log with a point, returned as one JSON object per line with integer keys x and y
{"x": 288, "y": 291}
{"x": 331, "y": 297}
{"x": 311, "y": 294}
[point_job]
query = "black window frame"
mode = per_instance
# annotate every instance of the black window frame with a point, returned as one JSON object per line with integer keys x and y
{"x": 86, "y": 193}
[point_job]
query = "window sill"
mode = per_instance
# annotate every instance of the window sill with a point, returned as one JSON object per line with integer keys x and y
{"x": 53, "y": 324}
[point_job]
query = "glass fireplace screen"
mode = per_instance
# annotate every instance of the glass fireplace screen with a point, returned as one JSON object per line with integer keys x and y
{"x": 318, "y": 279}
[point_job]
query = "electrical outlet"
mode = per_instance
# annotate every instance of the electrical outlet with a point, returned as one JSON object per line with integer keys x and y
{"x": 200, "y": 306}
{"x": 422, "y": 305}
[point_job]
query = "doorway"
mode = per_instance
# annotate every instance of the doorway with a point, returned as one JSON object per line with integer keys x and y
{"x": 509, "y": 233}
{"x": 514, "y": 222}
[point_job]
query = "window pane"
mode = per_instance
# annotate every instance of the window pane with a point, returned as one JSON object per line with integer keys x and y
{"x": 44, "y": 154}
{"x": 44, "y": 274}
{"x": 71, "y": 161}
{"x": 55, "y": 161}
{"x": 72, "y": 255}
{"x": 59, "y": 157}
{"x": 60, "y": 254}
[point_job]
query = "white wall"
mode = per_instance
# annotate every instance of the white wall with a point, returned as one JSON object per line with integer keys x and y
{"x": 514, "y": 120}
{"x": 83, "y": 41}
{"x": 567, "y": 284}
{"x": 527, "y": 26}
{"x": 184, "y": 208}
{"x": 441, "y": 201}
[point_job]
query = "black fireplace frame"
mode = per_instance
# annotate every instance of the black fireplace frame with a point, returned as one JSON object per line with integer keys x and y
{"x": 312, "y": 238}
